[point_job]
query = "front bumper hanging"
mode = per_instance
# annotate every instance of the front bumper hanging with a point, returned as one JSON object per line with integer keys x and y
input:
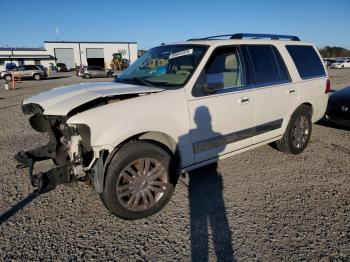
{"x": 44, "y": 181}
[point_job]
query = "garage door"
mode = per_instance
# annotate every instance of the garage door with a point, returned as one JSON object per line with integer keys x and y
{"x": 66, "y": 56}
{"x": 95, "y": 57}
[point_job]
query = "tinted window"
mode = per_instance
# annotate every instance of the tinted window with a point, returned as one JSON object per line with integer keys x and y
{"x": 30, "y": 67}
{"x": 284, "y": 76}
{"x": 268, "y": 65}
{"x": 306, "y": 60}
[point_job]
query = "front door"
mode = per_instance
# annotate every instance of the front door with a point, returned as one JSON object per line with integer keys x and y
{"x": 222, "y": 121}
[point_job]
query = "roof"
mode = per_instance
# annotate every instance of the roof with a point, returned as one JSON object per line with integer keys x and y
{"x": 22, "y": 49}
{"x": 90, "y": 42}
{"x": 239, "y": 42}
{"x": 32, "y": 57}
{"x": 249, "y": 35}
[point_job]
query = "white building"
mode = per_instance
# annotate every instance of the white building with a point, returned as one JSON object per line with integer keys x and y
{"x": 71, "y": 53}
{"x": 27, "y": 56}
{"x": 90, "y": 53}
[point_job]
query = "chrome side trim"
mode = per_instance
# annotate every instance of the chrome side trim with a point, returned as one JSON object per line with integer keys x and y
{"x": 224, "y": 140}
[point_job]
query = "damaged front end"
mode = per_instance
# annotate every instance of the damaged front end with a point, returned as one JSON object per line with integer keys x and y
{"x": 68, "y": 147}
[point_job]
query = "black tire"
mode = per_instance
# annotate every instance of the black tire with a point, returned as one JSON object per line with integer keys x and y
{"x": 37, "y": 77}
{"x": 287, "y": 142}
{"x": 8, "y": 78}
{"x": 87, "y": 76}
{"x": 127, "y": 155}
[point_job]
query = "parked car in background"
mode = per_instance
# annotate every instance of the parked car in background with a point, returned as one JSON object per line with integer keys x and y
{"x": 95, "y": 71}
{"x": 24, "y": 72}
{"x": 341, "y": 64}
{"x": 338, "y": 108}
{"x": 61, "y": 67}
{"x": 328, "y": 62}
{"x": 79, "y": 70}
{"x": 213, "y": 98}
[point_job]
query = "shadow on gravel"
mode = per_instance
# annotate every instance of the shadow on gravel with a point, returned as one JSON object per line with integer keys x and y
{"x": 207, "y": 210}
{"x": 207, "y": 207}
{"x": 333, "y": 124}
{"x": 18, "y": 207}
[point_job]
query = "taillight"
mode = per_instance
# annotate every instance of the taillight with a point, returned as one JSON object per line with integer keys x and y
{"x": 328, "y": 87}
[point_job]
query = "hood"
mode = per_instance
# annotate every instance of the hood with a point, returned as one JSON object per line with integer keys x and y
{"x": 61, "y": 100}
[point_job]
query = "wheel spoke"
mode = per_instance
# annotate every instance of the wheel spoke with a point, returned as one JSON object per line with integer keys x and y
{"x": 147, "y": 166}
{"x": 123, "y": 188}
{"x": 131, "y": 171}
{"x": 157, "y": 189}
{"x": 137, "y": 200}
{"x": 150, "y": 198}
{"x": 126, "y": 177}
{"x": 141, "y": 166}
{"x": 131, "y": 200}
{"x": 125, "y": 193}
{"x": 144, "y": 199}
{"x": 158, "y": 183}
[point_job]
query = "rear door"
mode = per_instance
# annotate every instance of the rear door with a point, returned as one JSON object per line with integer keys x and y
{"x": 28, "y": 71}
{"x": 275, "y": 95}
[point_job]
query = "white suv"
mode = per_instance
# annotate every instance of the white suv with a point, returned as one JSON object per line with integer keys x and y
{"x": 178, "y": 107}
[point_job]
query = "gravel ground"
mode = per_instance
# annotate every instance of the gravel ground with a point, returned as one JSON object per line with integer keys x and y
{"x": 260, "y": 205}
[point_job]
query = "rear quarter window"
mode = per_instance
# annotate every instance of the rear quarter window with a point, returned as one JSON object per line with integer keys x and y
{"x": 306, "y": 61}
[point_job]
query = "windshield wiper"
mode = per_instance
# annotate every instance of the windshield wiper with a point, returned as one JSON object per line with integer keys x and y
{"x": 140, "y": 80}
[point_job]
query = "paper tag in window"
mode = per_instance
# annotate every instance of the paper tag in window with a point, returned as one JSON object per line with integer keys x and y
{"x": 181, "y": 53}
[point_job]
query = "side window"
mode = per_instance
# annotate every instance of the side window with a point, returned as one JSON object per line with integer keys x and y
{"x": 307, "y": 61}
{"x": 30, "y": 67}
{"x": 268, "y": 65}
{"x": 226, "y": 62}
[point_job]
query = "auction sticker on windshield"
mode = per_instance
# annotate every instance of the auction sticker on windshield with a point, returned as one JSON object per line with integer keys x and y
{"x": 181, "y": 53}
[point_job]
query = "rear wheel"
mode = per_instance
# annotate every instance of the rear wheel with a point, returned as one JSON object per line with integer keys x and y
{"x": 298, "y": 132}
{"x": 139, "y": 181}
{"x": 87, "y": 76}
{"x": 37, "y": 77}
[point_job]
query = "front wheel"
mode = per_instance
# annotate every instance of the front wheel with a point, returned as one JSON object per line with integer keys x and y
{"x": 298, "y": 132}
{"x": 8, "y": 78}
{"x": 139, "y": 181}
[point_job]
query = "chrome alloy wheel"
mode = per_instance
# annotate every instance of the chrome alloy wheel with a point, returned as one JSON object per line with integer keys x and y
{"x": 300, "y": 131}
{"x": 142, "y": 184}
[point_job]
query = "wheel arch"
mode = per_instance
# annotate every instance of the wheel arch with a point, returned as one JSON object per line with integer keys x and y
{"x": 161, "y": 139}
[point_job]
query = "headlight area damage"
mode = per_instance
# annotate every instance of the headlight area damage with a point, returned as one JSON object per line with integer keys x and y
{"x": 68, "y": 147}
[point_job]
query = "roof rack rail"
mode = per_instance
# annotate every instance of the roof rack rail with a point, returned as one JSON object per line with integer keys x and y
{"x": 254, "y": 36}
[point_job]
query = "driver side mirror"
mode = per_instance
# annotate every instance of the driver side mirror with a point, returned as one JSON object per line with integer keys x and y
{"x": 213, "y": 83}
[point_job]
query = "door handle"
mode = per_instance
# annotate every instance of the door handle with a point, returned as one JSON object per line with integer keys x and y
{"x": 291, "y": 91}
{"x": 244, "y": 100}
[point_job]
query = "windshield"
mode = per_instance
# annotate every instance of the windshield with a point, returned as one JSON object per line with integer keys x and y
{"x": 170, "y": 65}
